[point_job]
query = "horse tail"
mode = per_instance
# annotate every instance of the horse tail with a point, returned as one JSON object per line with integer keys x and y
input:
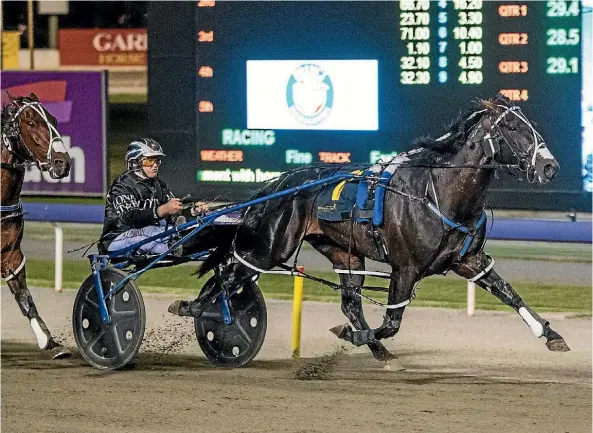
{"x": 253, "y": 216}
{"x": 224, "y": 244}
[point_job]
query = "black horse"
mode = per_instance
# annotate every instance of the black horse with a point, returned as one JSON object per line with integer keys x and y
{"x": 434, "y": 222}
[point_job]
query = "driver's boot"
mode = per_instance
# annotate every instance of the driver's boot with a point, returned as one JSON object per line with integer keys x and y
{"x": 194, "y": 308}
{"x": 180, "y": 308}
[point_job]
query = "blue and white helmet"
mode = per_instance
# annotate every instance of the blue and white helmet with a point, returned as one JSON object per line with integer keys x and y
{"x": 142, "y": 148}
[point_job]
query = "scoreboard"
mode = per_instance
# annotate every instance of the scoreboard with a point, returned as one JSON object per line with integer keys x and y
{"x": 280, "y": 84}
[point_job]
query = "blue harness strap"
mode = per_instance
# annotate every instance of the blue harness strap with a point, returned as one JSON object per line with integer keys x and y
{"x": 379, "y": 196}
{"x": 471, "y": 232}
{"x": 361, "y": 192}
{"x": 470, "y": 237}
{"x": 363, "y": 214}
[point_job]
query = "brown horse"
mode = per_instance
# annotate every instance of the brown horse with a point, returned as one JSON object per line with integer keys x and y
{"x": 29, "y": 137}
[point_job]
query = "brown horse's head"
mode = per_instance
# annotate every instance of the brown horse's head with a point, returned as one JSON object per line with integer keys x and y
{"x": 32, "y": 135}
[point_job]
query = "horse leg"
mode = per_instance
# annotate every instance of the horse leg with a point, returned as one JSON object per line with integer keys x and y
{"x": 400, "y": 295}
{"x": 18, "y": 287}
{"x": 400, "y": 292}
{"x": 496, "y": 285}
{"x": 351, "y": 301}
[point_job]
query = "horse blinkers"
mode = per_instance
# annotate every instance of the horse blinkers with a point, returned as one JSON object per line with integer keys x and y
{"x": 490, "y": 144}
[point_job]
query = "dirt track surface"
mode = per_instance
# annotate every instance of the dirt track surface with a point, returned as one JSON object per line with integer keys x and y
{"x": 464, "y": 374}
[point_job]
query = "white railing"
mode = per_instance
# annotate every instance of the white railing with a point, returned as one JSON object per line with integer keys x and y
{"x": 59, "y": 256}
{"x": 471, "y": 298}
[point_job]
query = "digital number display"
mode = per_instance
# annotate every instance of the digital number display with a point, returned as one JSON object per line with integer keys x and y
{"x": 309, "y": 96}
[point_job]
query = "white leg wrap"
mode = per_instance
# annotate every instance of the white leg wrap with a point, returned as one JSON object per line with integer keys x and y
{"x": 536, "y": 327}
{"x": 484, "y": 272}
{"x": 17, "y": 270}
{"x": 42, "y": 339}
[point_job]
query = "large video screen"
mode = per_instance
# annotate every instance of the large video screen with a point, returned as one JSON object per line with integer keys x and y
{"x": 281, "y": 84}
{"x": 312, "y": 94}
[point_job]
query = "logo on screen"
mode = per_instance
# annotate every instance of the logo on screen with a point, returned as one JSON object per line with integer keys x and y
{"x": 310, "y": 94}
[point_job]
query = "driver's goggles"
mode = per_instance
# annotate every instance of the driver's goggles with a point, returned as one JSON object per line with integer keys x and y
{"x": 149, "y": 162}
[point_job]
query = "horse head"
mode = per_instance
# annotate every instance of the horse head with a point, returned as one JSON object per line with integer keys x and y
{"x": 30, "y": 133}
{"x": 512, "y": 140}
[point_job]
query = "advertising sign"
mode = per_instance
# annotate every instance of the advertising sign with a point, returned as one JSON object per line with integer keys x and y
{"x": 103, "y": 47}
{"x": 312, "y": 94}
{"x": 50, "y": 7}
{"x": 77, "y": 100}
{"x": 11, "y": 44}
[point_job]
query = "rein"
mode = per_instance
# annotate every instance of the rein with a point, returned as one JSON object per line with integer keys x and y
{"x": 14, "y": 166}
{"x": 474, "y": 166}
{"x": 15, "y": 210}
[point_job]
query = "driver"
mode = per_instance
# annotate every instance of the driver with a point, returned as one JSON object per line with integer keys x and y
{"x": 139, "y": 204}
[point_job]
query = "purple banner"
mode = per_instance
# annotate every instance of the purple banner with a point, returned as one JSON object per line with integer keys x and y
{"x": 77, "y": 100}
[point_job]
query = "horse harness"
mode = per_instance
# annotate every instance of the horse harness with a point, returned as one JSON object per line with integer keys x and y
{"x": 11, "y": 134}
{"x": 13, "y": 210}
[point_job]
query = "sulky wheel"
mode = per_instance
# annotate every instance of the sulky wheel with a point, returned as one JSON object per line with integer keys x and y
{"x": 114, "y": 345}
{"x": 236, "y": 344}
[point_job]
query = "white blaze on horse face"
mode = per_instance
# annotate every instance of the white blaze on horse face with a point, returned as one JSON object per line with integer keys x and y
{"x": 58, "y": 146}
{"x": 536, "y": 327}
{"x": 42, "y": 339}
{"x": 544, "y": 153}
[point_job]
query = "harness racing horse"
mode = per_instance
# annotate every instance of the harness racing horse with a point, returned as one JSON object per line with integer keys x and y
{"x": 29, "y": 136}
{"x": 434, "y": 222}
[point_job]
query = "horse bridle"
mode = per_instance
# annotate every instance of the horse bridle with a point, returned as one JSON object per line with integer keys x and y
{"x": 11, "y": 134}
{"x": 525, "y": 159}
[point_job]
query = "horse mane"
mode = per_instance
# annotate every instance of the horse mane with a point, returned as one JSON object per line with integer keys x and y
{"x": 457, "y": 131}
{"x": 438, "y": 149}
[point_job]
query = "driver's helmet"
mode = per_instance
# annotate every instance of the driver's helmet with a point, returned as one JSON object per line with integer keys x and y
{"x": 142, "y": 148}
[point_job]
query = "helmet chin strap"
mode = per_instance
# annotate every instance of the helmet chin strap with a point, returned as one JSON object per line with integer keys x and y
{"x": 136, "y": 167}
{"x": 140, "y": 173}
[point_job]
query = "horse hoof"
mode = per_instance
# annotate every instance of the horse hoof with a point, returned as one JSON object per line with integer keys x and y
{"x": 557, "y": 345}
{"x": 393, "y": 364}
{"x": 382, "y": 354}
{"x": 340, "y": 331}
{"x": 60, "y": 352}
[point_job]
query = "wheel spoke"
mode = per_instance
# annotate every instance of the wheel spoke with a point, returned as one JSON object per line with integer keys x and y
{"x": 243, "y": 332}
{"x": 222, "y": 340}
{"x": 115, "y": 336}
{"x": 248, "y": 307}
{"x": 90, "y": 302}
{"x": 122, "y": 316}
{"x": 212, "y": 315}
{"x": 94, "y": 339}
